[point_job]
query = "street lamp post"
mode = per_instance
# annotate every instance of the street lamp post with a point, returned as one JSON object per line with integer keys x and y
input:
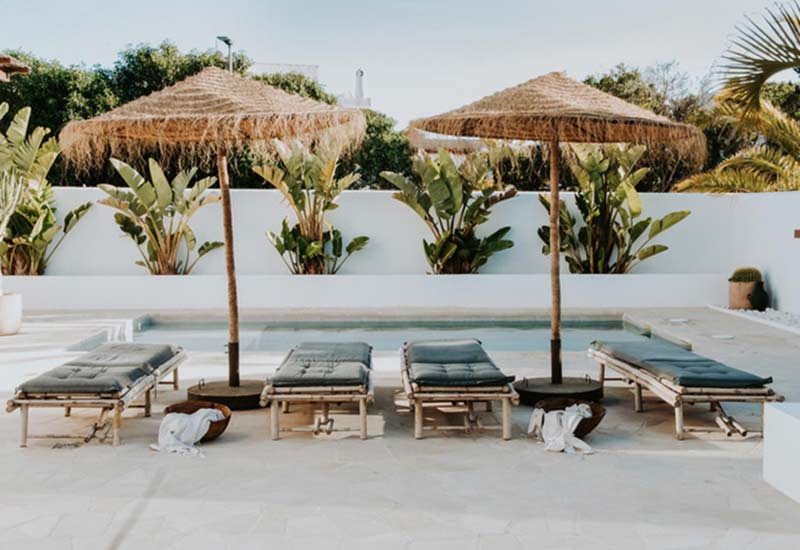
{"x": 228, "y": 42}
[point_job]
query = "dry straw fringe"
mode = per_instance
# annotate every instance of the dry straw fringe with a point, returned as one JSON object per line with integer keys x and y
{"x": 555, "y": 106}
{"x": 192, "y": 119}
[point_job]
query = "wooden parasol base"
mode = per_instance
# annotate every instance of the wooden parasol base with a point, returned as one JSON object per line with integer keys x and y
{"x": 533, "y": 390}
{"x": 240, "y": 398}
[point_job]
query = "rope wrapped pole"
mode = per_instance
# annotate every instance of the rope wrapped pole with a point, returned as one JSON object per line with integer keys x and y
{"x": 555, "y": 258}
{"x": 230, "y": 269}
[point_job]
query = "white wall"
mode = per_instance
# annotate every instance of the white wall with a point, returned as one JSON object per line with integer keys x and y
{"x": 722, "y": 232}
{"x": 368, "y": 291}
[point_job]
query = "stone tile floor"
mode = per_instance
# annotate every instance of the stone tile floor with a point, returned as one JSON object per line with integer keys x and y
{"x": 641, "y": 489}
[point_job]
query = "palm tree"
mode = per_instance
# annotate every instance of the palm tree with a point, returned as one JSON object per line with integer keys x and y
{"x": 772, "y": 164}
{"x": 761, "y": 50}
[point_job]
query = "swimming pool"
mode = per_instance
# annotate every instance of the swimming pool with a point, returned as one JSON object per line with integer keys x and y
{"x": 384, "y": 335}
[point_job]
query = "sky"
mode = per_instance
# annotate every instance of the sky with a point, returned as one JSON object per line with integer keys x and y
{"x": 420, "y": 57}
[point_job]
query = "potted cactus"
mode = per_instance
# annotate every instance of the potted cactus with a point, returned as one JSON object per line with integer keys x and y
{"x": 741, "y": 286}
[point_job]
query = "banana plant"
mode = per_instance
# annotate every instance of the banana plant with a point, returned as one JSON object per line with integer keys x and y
{"x": 613, "y": 238}
{"x": 32, "y": 234}
{"x": 155, "y": 214}
{"x": 309, "y": 184}
{"x": 453, "y": 200}
{"x": 10, "y": 194}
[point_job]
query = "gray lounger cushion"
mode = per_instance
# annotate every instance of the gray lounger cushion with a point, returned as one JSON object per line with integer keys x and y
{"x": 679, "y": 365}
{"x": 452, "y": 363}
{"x": 110, "y": 368}
{"x": 325, "y": 364}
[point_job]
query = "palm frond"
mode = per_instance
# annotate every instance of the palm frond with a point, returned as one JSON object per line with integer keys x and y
{"x": 761, "y": 50}
{"x": 728, "y": 181}
{"x": 769, "y": 162}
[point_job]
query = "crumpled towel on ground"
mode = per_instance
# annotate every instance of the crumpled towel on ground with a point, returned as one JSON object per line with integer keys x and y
{"x": 557, "y": 428}
{"x": 180, "y": 432}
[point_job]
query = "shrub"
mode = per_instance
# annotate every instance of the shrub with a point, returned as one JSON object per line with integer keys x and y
{"x": 155, "y": 214}
{"x": 32, "y": 234}
{"x": 453, "y": 201}
{"x": 308, "y": 182}
{"x": 613, "y": 238}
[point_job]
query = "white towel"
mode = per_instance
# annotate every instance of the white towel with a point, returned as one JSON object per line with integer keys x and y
{"x": 557, "y": 428}
{"x": 180, "y": 432}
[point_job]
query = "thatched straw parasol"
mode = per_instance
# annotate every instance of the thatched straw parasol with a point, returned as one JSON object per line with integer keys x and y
{"x": 11, "y": 66}
{"x": 208, "y": 115}
{"x": 554, "y": 108}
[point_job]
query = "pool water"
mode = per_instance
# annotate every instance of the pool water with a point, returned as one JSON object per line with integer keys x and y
{"x": 513, "y": 336}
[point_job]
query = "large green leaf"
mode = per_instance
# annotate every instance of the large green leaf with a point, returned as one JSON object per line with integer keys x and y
{"x": 208, "y": 246}
{"x": 358, "y": 243}
{"x": 74, "y": 216}
{"x": 650, "y": 251}
{"x": 161, "y": 185}
{"x": 18, "y": 128}
{"x": 659, "y": 226}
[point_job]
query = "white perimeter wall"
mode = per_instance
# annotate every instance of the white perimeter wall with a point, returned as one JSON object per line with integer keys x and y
{"x": 722, "y": 232}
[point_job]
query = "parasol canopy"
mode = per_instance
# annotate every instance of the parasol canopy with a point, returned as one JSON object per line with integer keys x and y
{"x": 195, "y": 116}
{"x": 555, "y": 106}
{"x": 11, "y": 66}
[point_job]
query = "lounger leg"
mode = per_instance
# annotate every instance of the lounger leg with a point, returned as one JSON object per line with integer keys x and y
{"x": 23, "y": 435}
{"x": 67, "y": 411}
{"x": 362, "y": 412}
{"x": 418, "y": 420}
{"x": 274, "y": 418}
{"x": 175, "y": 379}
{"x": 471, "y": 411}
{"x": 637, "y": 397}
{"x": 148, "y": 403}
{"x": 117, "y": 424}
{"x": 679, "y": 421}
{"x": 506, "y": 419}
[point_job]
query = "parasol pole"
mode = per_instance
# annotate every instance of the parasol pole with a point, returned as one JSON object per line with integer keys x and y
{"x": 230, "y": 268}
{"x": 555, "y": 258}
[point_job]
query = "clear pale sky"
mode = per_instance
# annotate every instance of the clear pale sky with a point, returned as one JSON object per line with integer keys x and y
{"x": 420, "y": 57}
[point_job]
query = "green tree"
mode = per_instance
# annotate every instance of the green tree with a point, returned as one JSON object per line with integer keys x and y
{"x": 628, "y": 83}
{"x": 58, "y": 94}
{"x": 783, "y": 95}
{"x": 144, "y": 69}
{"x": 759, "y": 51}
{"x": 383, "y": 148}
{"x": 663, "y": 89}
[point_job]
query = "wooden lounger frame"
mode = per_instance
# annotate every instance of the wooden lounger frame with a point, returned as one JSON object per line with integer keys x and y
{"x": 440, "y": 396}
{"x": 279, "y": 398}
{"x": 677, "y": 395}
{"x": 112, "y": 402}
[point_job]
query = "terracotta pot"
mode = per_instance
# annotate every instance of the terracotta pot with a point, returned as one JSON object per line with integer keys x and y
{"x": 738, "y": 295}
{"x": 10, "y": 313}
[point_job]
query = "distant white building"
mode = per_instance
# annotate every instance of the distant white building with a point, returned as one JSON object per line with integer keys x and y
{"x": 309, "y": 71}
{"x": 356, "y": 98}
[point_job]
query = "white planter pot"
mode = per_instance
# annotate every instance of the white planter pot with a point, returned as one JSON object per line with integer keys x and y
{"x": 10, "y": 313}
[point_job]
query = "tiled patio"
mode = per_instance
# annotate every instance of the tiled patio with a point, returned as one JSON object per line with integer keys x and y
{"x": 642, "y": 489}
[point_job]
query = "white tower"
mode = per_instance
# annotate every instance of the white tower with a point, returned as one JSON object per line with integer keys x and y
{"x": 356, "y": 98}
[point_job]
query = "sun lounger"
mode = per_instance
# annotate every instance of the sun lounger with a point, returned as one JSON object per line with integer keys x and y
{"x": 110, "y": 378}
{"x": 324, "y": 374}
{"x": 452, "y": 372}
{"x": 679, "y": 376}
